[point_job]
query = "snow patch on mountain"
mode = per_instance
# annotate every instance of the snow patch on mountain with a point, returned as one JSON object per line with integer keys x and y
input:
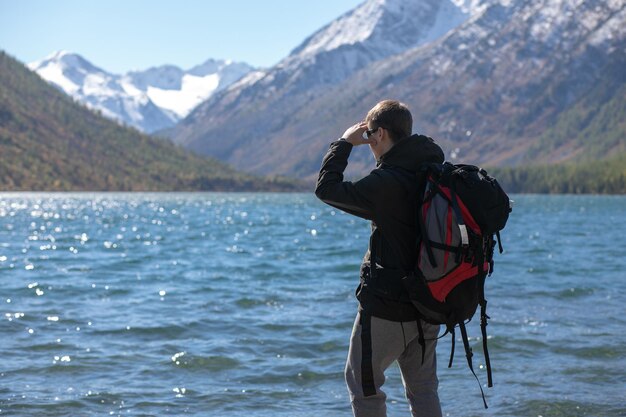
{"x": 473, "y": 7}
{"x": 193, "y": 91}
{"x": 374, "y": 21}
{"x": 54, "y": 74}
{"x": 613, "y": 28}
{"x": 348, "y": 29}
{"x": 248, "y": 79}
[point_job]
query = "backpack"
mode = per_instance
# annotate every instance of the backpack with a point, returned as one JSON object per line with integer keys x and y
{"x": 461, "y": 214}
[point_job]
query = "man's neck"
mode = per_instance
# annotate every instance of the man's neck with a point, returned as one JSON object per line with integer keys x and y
{"x": 386, "y": 146}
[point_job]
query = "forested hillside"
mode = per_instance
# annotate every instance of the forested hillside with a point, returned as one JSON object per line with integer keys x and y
{"x": 50, "y": 143}
{"x": 607, "y": 176}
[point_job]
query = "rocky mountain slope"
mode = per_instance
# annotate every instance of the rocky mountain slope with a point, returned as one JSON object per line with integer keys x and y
{"x": 504, "y": 87}
{"x": 148, "y": 100}
{"x": 496, "y": 82}
{"x": 253, "y": 123}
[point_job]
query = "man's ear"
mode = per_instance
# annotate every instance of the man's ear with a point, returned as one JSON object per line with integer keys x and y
{"x": 384, "y": 136}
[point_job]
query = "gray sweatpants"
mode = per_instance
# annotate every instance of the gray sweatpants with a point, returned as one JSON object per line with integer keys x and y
{"x": 375, "y": 344}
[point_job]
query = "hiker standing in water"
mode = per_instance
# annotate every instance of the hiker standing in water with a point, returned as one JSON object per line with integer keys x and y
{"x": 387, "y": 326}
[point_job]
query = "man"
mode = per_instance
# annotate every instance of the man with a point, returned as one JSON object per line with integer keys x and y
{"x": 387, "y": 327}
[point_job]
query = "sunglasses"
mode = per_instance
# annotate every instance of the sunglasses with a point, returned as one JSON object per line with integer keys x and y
{"x": 370, "y": 132}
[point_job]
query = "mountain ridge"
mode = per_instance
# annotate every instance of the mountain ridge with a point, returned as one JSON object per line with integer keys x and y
{"x": 149, "y": 100}
{"x": 222, "y": 125}
{"x": 487, "y": 89}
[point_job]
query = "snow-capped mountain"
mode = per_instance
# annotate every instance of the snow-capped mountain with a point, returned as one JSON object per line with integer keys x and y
{"x": 523, "y": 81}
{"x": 149, "y": 100}
{"x": 375, "y": 30}
{"x": 497, "y": 82}
{"x": 265, "y": 102}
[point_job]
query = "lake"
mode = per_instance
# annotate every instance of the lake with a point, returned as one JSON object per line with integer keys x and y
{"x": 228, "y": 304}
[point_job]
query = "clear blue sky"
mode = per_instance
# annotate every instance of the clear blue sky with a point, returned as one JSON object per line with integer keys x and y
{"x": 122, "y": 35}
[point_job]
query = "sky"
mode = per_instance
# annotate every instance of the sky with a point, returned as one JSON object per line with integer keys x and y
{"x": 123, "y": 35}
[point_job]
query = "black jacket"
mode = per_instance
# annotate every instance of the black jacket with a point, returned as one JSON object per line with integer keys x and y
{"x": 387, "y": 197}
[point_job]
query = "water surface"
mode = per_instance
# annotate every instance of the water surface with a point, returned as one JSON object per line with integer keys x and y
{"x": 242, "y": 304}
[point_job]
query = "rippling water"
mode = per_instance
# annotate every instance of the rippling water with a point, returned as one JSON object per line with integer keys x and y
{"x": 242, "y": 304}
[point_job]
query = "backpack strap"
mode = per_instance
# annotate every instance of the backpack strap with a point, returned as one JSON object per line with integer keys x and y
{"x": 423, "y": 236}
{"x": 468, "y": 349}
{"x": 484, "y": 317}
{"x": 468, "y": 355}
{"x": 420, "y": 339}
{"x": 459, "y": 215}
{"x": 499, "y": 242}
{"x": 483, "y": 329}
{"x": 452, "y": 348}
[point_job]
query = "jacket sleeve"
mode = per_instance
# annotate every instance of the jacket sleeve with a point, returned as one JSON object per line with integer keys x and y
{"x": 357, "y": 198}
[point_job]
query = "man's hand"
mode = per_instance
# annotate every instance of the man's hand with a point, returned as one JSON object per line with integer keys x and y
{"x": 354, "y": 134}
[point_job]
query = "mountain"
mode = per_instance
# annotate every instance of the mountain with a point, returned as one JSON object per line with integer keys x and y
{"x": 521, "y": 82}
{"x": 502, "y": 83}
{"x": 48, "y": 142}
{"x": 149, "y": 100}
{"x": 252, "y": 122}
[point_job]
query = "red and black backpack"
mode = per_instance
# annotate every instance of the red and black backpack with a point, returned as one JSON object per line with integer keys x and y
{"x": 461, "y": 214}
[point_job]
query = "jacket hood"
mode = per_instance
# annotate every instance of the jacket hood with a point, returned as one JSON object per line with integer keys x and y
{"x": 411, "y": 152}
